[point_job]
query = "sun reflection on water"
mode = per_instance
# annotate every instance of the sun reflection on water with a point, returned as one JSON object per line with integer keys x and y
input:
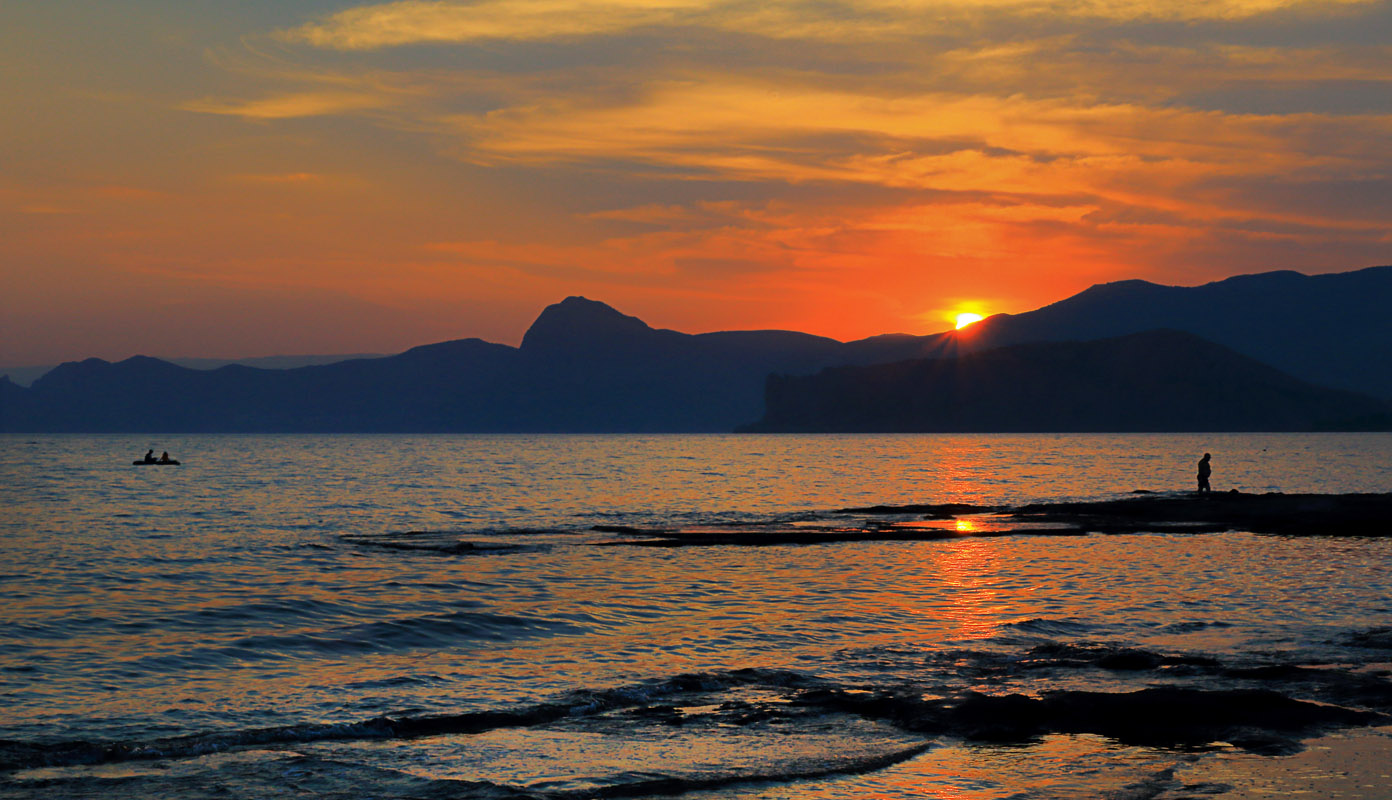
{"x": 967, "y": 572}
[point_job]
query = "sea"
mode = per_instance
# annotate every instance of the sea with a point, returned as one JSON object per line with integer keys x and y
{"x": 464, "y": 616}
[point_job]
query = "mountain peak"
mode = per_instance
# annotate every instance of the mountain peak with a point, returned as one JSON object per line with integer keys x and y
{"x": 1114, "y": 289}
{"x": 579, "y": 318}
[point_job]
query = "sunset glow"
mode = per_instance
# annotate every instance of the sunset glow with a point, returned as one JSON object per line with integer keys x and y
{"x": 256, "y": 178}
{"x": 966, "y": 318}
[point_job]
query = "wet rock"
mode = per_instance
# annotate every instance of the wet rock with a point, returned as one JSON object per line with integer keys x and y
{"x": 1181, "y": 716}
{"x": 1344, "y": 515}
{"x": 1292, "y": 514}
{"x": 1130, "y": 660}
{"x": 1258, "y": 720}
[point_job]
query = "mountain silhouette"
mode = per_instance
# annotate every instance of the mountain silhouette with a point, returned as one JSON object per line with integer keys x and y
{"x": 584, "y": 366}
{"x": 25, "y": 376}
{"x": 580, "y": 324}
{"x": 1327, "y": 329}
{"x": 1151, "y": 381}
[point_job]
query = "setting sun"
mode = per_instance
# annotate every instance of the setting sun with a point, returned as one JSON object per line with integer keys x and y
{"x": 966, "y": 318}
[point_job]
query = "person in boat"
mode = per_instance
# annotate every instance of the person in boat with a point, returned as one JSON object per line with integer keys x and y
{"x": 1204, "y": 471}
{"x": 150, "y": 456}
{"x": 164, "y": 457}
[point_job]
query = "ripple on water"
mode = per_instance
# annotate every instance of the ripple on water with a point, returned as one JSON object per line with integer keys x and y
{"x": 250, "y": 592}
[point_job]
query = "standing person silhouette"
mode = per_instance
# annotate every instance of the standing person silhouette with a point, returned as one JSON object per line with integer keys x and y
{"x": 1204, "y": 471}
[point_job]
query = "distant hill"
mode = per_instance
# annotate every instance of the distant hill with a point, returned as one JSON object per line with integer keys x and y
{"x": 1332, "y": 330}
{"x": 582, "y": 367}
{"x": 25, "y": 376}
{"x": 1151, "y": 381}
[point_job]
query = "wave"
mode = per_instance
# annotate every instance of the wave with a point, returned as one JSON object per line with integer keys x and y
{"x": 1262, "y": 711}
{"x": 1373, "y": 639}
{"x": 413, "y": 633}
{"x": 425, "y": 632}
{"x": 465, "y": 542}
{"x": 266, "y": 773}
{"x": 641, "y": 785}
{"x": 1045, "y": 626}
{"x": 16, "y": 755}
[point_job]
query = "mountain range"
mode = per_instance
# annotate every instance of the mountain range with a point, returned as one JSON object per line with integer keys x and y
{"x": 585, "y": 367}
{"x": 581, "y": 367}
{"x": 25, "y": 376}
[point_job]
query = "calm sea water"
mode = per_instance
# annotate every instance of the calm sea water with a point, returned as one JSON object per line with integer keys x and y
{"x": 423, "y": 616}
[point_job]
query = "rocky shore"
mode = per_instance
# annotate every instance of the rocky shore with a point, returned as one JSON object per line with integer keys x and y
{"x": 1145, "y": 512}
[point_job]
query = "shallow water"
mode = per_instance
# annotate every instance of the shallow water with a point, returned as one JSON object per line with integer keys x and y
{"x": 432, "y": 615}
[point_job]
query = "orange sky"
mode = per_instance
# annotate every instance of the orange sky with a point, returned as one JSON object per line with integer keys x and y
{"x": 253, "y": 178}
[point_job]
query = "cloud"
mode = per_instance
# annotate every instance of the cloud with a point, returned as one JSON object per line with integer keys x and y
{"x": 729, "y": 127}
{"x": 1332, "y": 97}
{"x": 840, "y": 155}
{"x": 288, "y": 106}
{"x": 998, "y": 151}
{"x": 417, "y": 22}
{"x": 411, "y": 22}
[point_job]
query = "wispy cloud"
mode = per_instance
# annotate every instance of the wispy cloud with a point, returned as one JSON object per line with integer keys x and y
{"x": 287, "y": 106}
{"x": 418, "y": 22}
{"x": 409, "y": 22}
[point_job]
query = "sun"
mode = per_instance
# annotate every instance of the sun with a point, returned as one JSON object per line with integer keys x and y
{"x": 966, "y": 318}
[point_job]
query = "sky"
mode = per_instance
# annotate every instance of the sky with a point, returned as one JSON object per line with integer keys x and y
{"x": 187, "y": 178}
